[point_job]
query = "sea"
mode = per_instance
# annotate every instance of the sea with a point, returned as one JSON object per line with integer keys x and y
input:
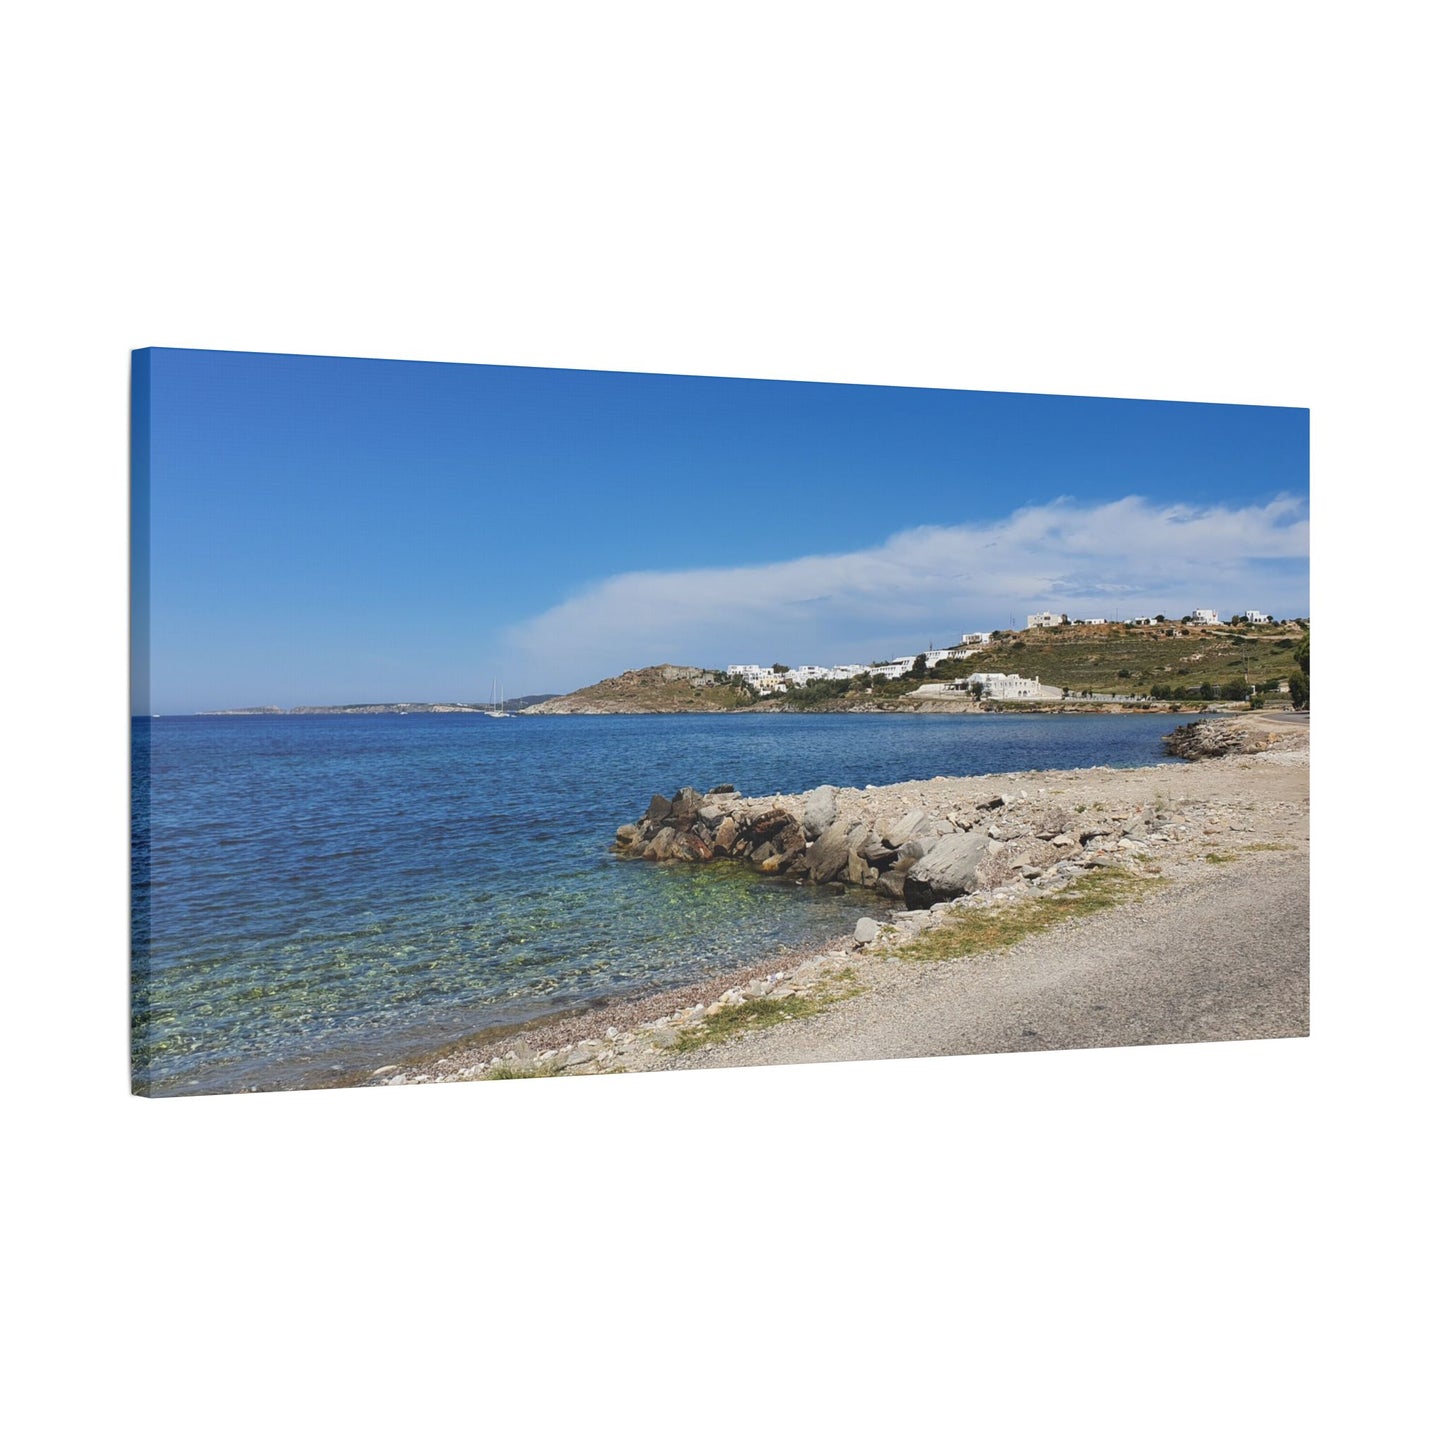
{"x": 314, "y": 896}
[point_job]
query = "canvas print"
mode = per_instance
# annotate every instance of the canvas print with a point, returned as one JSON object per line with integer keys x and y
{"x": 498, "y": 723}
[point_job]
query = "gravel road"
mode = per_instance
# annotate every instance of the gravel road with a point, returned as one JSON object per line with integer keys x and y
{"x": 1220, "y": 954}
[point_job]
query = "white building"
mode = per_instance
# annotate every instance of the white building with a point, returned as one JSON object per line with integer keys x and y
{"x": 1146, "y": 621}
{"x": 972, "y": 639}
{"x": 1046, "y": 619}
{"x": 1205, "y": 617}
{"x": 1092, "y": 621}
{"x": 1009, "y": 687}
{"x": 1253, "y": 616}
{"x": 758, "y": 676}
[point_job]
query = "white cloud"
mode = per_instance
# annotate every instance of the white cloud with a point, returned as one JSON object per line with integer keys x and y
{"x": 930, "y": 583}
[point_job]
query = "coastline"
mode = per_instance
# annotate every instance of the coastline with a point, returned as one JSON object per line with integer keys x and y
{"x": 1190, "y": 832}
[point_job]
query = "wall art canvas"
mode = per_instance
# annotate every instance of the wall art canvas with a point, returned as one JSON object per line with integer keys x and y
{"x": 497, "y": 723}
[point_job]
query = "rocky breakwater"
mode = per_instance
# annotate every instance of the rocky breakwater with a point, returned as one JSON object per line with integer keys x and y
{"x": 923, "y": 856}
{"x": 1224, "y": 737}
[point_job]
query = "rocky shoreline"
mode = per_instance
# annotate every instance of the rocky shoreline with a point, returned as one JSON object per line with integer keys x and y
{"x": 927, "y": 852}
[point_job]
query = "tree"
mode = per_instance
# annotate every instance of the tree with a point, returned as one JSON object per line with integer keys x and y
{"x": 1299, "y": 690}
{"x": 780, "y": 667}
{"x": 1159, "y": 617}
{"x": 1206, "y": 691}
{"x": 920, "y": 666}
{"x": 1302, "y": 654}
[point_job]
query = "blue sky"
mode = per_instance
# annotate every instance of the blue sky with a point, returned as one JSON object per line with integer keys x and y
{"x": 326, "y": 530}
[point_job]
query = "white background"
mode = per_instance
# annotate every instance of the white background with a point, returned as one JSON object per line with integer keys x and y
{"x": 1227, "y": 203}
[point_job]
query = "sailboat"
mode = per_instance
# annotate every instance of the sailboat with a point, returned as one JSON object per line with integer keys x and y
{"x": 498, "y": 707}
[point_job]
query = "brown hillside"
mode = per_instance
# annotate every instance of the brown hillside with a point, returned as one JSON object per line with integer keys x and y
{"x": 1092, "y": 658}
{"x": 667, "y": 688}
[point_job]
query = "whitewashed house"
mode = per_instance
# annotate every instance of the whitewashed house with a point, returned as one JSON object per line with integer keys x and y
{"x": 1252, "y": 616}
{"x": 1092, "y": 621}
{"x": 1205, "y": 617}
{"x": 971, "y": 639}
{"x": 1009, "y": 687}
{"x": 1046, "y": 619}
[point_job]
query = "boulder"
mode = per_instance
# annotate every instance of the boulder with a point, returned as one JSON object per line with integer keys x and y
{"x": 828, "y": 857}
{"x": 898, "y": 832}
{"x": 892, "y": 884}
{"x": 820, "y": 807}
{"x": 726, "y": 836}
{"x": 691, "y": 848}
{"x": 710, "y": 815}
{"x": 876, "y": 852}
{"x": 789, "y": 840}
{"x": 948, "y": 869}
{"x": 685, "y": 804}
{"x": 628, "y": 834}
{"x": 721, "y": 788}
{"x": 765, "y": 825}
{"x": 657, "y": 809}
{"x": 866, "y": 930}
{"x": 660, "y": 844}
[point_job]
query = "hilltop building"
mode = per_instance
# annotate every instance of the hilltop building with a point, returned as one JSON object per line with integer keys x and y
{"x": 1204, "y": 616}
{"x": 1252, "y": 616}
{"x": 1004, "y": 687}
{"x": 1046, "y": 619}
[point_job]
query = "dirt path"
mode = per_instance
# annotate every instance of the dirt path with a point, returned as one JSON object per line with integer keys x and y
{"x": 1217, "y": 955}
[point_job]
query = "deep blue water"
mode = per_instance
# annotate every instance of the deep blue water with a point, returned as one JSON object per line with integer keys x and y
{"x": 315, "y": 896}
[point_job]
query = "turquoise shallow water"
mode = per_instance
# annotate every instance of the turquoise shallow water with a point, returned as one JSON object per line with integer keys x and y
{"x": 313, "y": 896}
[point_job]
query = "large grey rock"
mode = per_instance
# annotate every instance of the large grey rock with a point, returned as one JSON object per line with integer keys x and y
{"x": 660, "y": 844}
{"x": 820, "y": 807}
{"x": 658, "y": 808}
{"x": 892, "y": 884}
{"x": 949, "y": 868}
{"x": 828, "y": 857}
{"x": 898, "y": 832}
{"x": 866, "y": 930}
{"x": 727, "y": 835}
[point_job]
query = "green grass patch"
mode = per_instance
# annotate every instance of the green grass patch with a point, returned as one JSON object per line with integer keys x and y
{"x": 1220, "y": 857}
{"x": 986, "y": 929}
{"x": 550, "y": 1070}
{"x": 762, "y": 1013}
